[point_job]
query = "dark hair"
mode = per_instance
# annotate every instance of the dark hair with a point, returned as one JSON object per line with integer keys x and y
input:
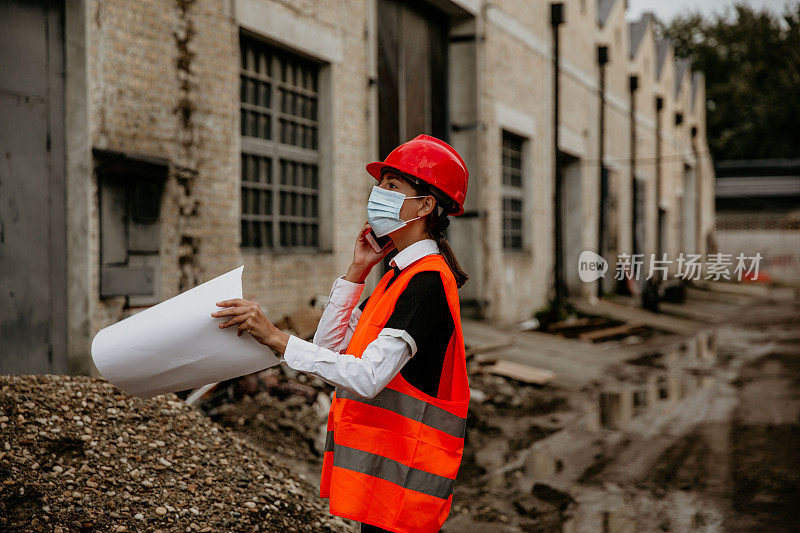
{"x": 436, "y": 223}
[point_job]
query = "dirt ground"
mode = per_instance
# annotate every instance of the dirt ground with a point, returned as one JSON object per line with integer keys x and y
{"x": 717, "y": 452}
{"x": 722, "y": 458}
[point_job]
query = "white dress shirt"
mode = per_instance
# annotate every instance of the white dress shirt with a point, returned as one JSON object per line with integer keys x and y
{"x": 382, "y": 358}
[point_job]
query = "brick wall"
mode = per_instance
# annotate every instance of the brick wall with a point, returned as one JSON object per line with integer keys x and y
{"x": 164, "y": 80}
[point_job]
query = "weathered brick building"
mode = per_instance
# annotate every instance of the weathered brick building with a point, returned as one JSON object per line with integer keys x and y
{"x": 183, "y": 138}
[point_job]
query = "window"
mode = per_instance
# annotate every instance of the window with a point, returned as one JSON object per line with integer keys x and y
{"x": 130, "y": 188}
{"x": 280, "y": 152}
{"x": 513, "y": 191}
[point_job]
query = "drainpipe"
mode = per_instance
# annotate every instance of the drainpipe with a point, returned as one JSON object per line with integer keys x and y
{"x": 371, "y": 38}
{"x": 556, "y": 19}
{"x": 659, "y": 108}
{"x": 633, "y": 85}
{"x": 698, "y": 190}
{"x": 602, "y": 59}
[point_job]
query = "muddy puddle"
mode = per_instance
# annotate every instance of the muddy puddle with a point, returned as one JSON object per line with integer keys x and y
{"x": 701, "y": 436}
{"x": 725, "y": 457}
{"x": 765, "y": 445}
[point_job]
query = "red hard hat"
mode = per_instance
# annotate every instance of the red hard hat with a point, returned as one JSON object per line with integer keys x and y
{"x": 431, "y": 160}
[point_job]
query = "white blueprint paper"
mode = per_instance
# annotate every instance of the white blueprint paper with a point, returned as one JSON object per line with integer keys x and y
{"x": 177, "y": 344}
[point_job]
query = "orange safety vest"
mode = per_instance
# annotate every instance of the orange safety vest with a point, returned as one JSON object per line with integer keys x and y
{"x": 391, "y": 461}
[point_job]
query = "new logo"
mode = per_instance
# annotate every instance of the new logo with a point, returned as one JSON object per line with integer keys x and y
{"x": 591, "y": 266}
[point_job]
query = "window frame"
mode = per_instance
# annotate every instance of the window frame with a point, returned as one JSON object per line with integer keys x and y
{"x": 277, "y": 152}
{"x": 509, "y": 192}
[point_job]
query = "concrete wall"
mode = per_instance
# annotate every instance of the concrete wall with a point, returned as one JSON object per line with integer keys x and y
{"x": 161, "y": 79}
{"x": 515, "y": 98}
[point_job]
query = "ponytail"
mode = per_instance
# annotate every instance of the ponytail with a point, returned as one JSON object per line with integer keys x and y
{"x": 435, "y": 225}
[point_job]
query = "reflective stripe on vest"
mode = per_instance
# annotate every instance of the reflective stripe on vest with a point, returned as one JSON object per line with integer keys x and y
{"x": 388, "y": 469}
{"x": 412, "y": 408}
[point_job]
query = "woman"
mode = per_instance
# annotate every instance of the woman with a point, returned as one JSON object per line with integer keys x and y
{"x": 396, "y": 424}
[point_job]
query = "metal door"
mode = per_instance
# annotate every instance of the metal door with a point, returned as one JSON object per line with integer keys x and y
{"x": 689, "y": 212}
{"x": 639, "y": 206}
{"x": 412, "y": 73}
{"x": 571, "y": 221}
{"x": 32, "y": 194}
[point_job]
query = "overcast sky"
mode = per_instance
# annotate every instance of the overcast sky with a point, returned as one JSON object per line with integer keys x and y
{"x": 666, "y": 9}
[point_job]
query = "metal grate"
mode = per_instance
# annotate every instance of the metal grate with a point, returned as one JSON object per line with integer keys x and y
{"x": 513, "y": 191}
{"x": 280, "y": 155}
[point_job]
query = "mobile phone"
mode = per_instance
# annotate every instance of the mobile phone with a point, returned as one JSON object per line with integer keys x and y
{"x": 378, "y": 243}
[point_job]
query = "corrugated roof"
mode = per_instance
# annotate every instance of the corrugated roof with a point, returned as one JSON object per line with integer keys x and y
{"x": 758, "y": 187}
{"x": 776, "y": 179}
{"x": 757, "y": 167}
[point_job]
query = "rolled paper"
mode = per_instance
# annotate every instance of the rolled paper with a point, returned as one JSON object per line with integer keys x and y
{"x": 177, "y": 345}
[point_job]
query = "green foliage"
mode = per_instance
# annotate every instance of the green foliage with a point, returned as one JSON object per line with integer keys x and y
{"x": 751, "y": 61}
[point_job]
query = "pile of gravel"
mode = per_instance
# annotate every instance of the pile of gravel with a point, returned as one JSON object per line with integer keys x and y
{"x": 77, "y": 454}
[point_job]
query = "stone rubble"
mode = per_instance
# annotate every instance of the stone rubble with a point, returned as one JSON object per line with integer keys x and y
{"x": 78, "y": 454}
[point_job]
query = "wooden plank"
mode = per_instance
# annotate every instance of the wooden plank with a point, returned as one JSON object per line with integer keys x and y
{"x": 566, "y": 325}
{"x": 616, "y": 331}
{"x": 484, "y": 348}
{"x": 625, "y": 313}
{"x": 525, "y": 373}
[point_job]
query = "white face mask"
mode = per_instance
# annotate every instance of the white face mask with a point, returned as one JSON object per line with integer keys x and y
{"x": 383, "y": 210}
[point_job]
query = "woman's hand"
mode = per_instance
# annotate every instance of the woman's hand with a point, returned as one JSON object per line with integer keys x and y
{"x": 364, "y": 257}
{"x": 251, "y": 319}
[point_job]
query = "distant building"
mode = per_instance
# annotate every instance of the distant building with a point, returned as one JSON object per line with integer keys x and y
{"x": 151, "y": 145}
{"x": 758, "y": 211}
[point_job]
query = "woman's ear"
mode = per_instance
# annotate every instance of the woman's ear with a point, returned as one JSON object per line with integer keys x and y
{"x": 428, "y": 205}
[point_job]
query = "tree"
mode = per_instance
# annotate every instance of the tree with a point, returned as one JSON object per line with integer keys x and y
{"x": 751, "y": 61}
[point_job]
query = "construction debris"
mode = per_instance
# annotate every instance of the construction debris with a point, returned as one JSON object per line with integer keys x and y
{"x": 485, "y": 348}
{"x": 575, "y": 325}
{"x": 528, "y": 374}
{"x": 529, "y": 325}
{"x": 285, "y": 413}
{"x": 511, "y": 416}
{"x": 615, "y": 332}
{"x": 78, "y": 455}
{"x": 593, "y": 328}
